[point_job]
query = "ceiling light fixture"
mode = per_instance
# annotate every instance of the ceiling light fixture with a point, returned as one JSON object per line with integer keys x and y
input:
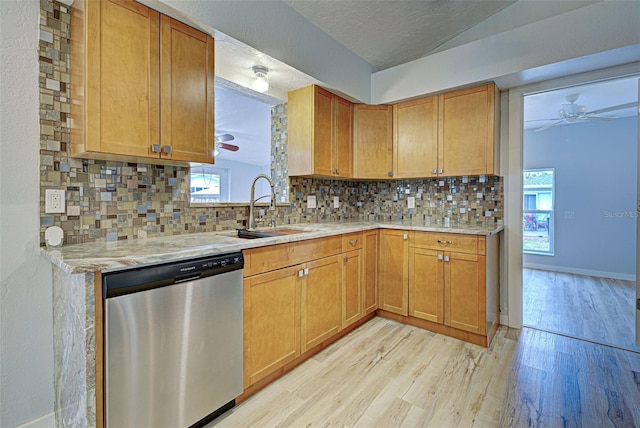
{"x": 261, "y": 84}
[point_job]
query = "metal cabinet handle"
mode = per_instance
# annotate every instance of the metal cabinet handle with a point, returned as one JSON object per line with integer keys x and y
{"x": 390, "y": 173}
{"x": 439, "y": 256}
{"x": 435, "y": 171}
{"x": 446, "y": 258}
{"x": 306, "y": 271}
{"x": 300, "y": 273}
{"x": 405, "y": 236}
{"x": 166, "y": 149}
{"x": 345, "y": 259}
{"x": 353, "y": 242}
{"x": 440, "y": 171}
{"x": 337, "y": 171}
{"x": 155, "y": 148}
{"x": 444, "y": 242}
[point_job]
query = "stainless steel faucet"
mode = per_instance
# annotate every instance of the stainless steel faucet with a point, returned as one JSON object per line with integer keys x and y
{"x": 272, "y": 206}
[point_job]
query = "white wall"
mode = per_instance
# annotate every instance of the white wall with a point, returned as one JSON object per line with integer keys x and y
{"x": 277, "y": 30}
{"x": 595, "y": 179}
{"x": 241, "y": 176}
{"x": 596, "y": 36}
{"x": 26, "y": 320}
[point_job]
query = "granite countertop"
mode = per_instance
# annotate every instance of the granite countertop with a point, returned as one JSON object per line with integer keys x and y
{"x": 107, "y": 256}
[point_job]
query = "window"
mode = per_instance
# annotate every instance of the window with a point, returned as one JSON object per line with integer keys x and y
{"x": 209, "y": 185}
{"x": 537, "y": 221}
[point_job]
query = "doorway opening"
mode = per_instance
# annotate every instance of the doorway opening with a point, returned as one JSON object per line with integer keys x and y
{"x": 580, "y": 152}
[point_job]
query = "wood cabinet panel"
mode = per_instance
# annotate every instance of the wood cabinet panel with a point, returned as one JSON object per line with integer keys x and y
{"x": 370, "y": 272}
{"x": 265, "y": 259}
{"x": 351, "y": 241}
{"x": 447, "y": 241}
{"x": 467, "y": 132}
{"x": 323, "y": 125}
{"x": 351, "y": 287}
{"x": 187, "y": 92}
{"x": 465, "y": 292}
{"x": 415, "y": 138}
{"x": 320, "y": 301}
{"x": 393, "y": 271}
{"x": 373, "y": 141}
{"x": 343, "y": 137}
{"x": 320, "y": 131}
{"x": 139, "y": 83}
{"x": 271, "y": 322}
{"x": 426, "y": 289}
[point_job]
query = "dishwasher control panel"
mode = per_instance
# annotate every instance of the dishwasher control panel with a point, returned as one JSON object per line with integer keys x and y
{"x": 138, "y": 279}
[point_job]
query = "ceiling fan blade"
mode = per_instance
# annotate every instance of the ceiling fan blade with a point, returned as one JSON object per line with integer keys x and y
{"x": 544, "y": 128}
{"x": 225, "y": 137}
{"x": 602, "y": 118}
{"x": 614, "y": 108}
{"x": 230, "y": 147}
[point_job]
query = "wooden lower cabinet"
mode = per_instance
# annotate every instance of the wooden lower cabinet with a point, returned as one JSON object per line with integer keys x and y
{"x": 351, "y": 287}
{"x": 321, "y": 308}
{"x": 370, "y": 272}
{"x": 426, "y": 298}
{"x": 393, "y": 271}
{"x": 271, "y": 322}
{"x": 464, "y": 290}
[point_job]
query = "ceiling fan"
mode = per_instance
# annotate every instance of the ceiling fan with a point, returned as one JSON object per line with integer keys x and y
{"x": 573, "y": 113}
{"x": 221, "y": 143}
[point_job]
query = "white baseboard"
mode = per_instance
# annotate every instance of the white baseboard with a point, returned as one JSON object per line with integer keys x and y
{"x": 504, "y": 319}
{"x": 46, "y": 421}
{"x": 597, "y": 273}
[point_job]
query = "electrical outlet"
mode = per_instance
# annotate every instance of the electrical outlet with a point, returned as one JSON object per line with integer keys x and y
{"x": 54, "y": 201}
{"x": 411, "y": 202}
{"x": 311, "y": 201}
{"x": 336, "y": 202}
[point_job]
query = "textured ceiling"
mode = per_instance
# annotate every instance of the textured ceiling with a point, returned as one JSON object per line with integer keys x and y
{"x": 388, "y": 33}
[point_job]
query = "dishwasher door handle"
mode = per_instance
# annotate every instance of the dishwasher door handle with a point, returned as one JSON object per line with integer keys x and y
{"x": 186, "y": 278}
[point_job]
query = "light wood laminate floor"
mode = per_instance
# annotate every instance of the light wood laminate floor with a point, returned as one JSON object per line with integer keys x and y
{"x": 597, "y": 309}
{"x": 386, "y": 374}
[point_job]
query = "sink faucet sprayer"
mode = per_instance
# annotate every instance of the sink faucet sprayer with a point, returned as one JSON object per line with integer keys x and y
{"x": 272, "y": 206}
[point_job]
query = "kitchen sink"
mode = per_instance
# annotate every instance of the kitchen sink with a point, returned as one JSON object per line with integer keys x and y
{"x": 255, "y": 234}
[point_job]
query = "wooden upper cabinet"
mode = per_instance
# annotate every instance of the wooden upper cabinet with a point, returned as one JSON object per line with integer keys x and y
{"x": 372, "y": 141}
{"x": 118, "y": 69}
{"x": 469, "y": 123}
{"x": 415, "y": 138}
{"x": 320, "y": 133}
{"x": 188, "y": 81}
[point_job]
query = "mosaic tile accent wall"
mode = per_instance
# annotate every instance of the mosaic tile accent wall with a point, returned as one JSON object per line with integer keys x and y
{"x": 279, "y": 158}
{"x": 109, "y": 201}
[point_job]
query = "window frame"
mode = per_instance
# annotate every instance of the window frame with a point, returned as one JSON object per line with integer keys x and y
{"x": 550, "y": 212}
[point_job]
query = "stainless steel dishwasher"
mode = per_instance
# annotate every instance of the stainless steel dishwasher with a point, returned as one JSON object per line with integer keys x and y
{"x": 173, "y": 342}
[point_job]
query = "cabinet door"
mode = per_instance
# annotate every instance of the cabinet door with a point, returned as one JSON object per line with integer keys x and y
{"x": 393, "y": 269}
{"x": 426, "y": 284}
{"x": 370, "y": 272}
{"x": 323, "y": 132}
{"x": 343, "y": 137}
{"x": 321, "y": 307}
{"x": 187, "y": 93}
{"x": 467, "y": 138}
{"x": 121, "y": 83}
{"x": 271, "y": 322}
{"x": 373, "y": 141}
{"x": 415, "y": 138}
{"x": 465, "y": 292}
{"x": 351, "y": 287}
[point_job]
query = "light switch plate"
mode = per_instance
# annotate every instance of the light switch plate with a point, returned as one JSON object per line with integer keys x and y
{"x": 311, "y": 201}
{"x": 54, "y": 201}
{"x": 411, "y": 202}
{"x": 336, "y": 202}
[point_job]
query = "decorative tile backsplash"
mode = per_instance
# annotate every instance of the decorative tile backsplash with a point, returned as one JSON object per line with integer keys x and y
{"x": 111, "y": 201}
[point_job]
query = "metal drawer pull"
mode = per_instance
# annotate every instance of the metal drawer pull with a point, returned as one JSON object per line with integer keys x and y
{"x": 345, "y": 259}
{"x": 306, "y": 271}
{"x": 166, "y": 149}
{"x": 444, "y": 242}
{"x": 155, "y": 148}
{"x": 446, "y": 258}
{"x": 353, "y": 242}
{"x": 439, "y": 256}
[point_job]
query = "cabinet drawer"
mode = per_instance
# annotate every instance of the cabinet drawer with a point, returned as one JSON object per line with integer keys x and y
{"x": 351, "y": 241}
{"x": 272, "y": 257}
{"x": 446, "y": 241}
